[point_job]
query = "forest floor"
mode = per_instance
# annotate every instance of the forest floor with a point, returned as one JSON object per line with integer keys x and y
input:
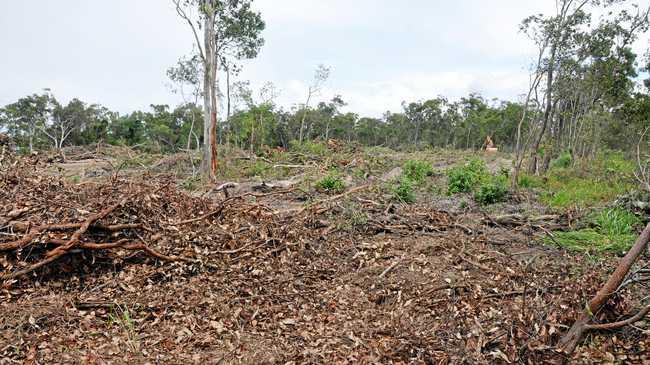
{"x": 276, "y": 270}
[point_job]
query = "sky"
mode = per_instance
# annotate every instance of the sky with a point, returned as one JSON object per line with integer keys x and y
{"x": 381, "y": 52}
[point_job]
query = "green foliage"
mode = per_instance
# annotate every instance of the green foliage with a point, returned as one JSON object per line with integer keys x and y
{"x": 613, "y": 231}
{"x": 309, "y": 147}
{"x": 463, "y": 179}
{"x": 528, "y": 181}
{"x": 614, "y": 162}
{"x": 332, "y": 183}
{"x": 417, "y": 170}
{"x": 259, "y": 168}
{"x": 404, "y": 190}
{"x": 616, "y": 221}
{"x": 580, "y": 192}
{"x": 492, "y": 190}
{"x": 190, "y": 183}
{"x": 473, "y": 177}
{"x": 588, "y": 183}
{"x": 122, "y": 318}
{"x": 563, "y": 161}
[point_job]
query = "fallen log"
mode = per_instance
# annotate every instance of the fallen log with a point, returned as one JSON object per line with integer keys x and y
{"x": 570, "y": 340}
{"x": 520, "y": 219}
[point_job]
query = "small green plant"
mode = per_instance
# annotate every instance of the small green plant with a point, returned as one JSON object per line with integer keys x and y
{"x": 353, "y": 216}
{"x": 504, "y": 171}
{"x": 563, "y": 161}
{"x": 259, "y": 168}
{"x": 492, "y": 190}
{"x": 332, "y": 183}
{"x": 417, "y": 170}
{"x": 463, "y": 179}
{"x": 191, "y": 183}
{"x": 122, "y": 317}
{"x": 527, "y": 181}
{"x": 404, "y": 190}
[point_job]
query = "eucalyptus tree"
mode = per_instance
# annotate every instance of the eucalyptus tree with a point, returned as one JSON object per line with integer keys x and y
{"x": 556, "y": 36}
{"x": 321, "y": 75}
{"x": 585, "y": 66}
{"x": 230, "y": 27}
{"x": 64, "y": 120}
{"x": 187, "y": 74}
{"x": 25, "y": 119}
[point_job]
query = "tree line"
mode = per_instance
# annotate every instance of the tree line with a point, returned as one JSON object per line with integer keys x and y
{"x": 39, "y": 121}
{"x": 585, "y": 94}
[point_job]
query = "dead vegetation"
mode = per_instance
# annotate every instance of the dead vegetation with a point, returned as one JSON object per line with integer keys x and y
{"x": 134, "y": 269}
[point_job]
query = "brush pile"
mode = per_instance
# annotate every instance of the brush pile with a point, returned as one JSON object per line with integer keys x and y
{"x": 44, "y": 219}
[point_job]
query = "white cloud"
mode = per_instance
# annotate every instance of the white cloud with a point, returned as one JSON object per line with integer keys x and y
{"x": 374, "y": 98}
{"x": 382, "y": 52}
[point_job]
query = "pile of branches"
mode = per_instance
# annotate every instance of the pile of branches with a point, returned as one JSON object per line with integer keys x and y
{"x": 44, "y": 219}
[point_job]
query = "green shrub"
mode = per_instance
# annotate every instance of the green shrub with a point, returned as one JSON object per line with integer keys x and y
{"x": 331, "y": 183}
{"x": 563, "y": 161}
{"x": 463, "y": 179}
{"x": 404, "y": 190}
{"x": 417, "y": 170}
{"x": 309, "y": 147}
{"x": 259, "y": 168}
{"x": 492, "y": 190}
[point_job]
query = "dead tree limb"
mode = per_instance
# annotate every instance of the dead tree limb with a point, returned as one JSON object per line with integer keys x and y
{"x": 297, "y": 211}
{"x": 571, "y": 339}
{"x": 614, "y": 325}
{"x": 56, "y": 253}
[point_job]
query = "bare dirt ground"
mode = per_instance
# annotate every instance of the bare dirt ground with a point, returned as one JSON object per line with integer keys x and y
{"x": 282, "y": 276}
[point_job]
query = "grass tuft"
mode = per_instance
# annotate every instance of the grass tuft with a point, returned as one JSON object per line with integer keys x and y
{"x": 332, "y": 183}
{"x": 613, "y": 231}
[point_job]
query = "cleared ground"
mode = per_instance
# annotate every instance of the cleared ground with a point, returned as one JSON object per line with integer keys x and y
{"x": 282, "y": 273}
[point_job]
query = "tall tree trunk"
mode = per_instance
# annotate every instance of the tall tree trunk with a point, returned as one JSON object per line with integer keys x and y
{"x": 210, "y": 153}
{"x": 228, "y": 92}
{"x": 304, "y": 115}
{"x": 520, "y": 149}
{"x": 547, "y": 110}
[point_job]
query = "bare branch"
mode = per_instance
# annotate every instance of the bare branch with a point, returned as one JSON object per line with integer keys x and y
{"x": 181, "y": 12}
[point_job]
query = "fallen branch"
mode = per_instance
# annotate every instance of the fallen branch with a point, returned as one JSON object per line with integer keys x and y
{"x": 391, "y": 267}
{"x": 25, "y": 227}
{"x": 328, "y": 200}
{"x": 520, "y": 219}
{"x": 222, "y": 205}
{"x": 614, "y": 325}
{"x": 56, "y": 253}
{"x": 571, "y": 339}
